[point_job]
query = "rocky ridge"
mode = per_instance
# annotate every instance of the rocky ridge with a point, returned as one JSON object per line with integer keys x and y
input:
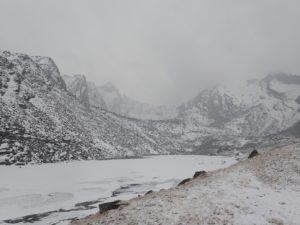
{"x": 108, "y": 97}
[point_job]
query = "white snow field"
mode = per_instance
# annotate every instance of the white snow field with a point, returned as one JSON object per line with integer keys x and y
{"x": 47, "y": 194}
{"x": 264, "y": 190}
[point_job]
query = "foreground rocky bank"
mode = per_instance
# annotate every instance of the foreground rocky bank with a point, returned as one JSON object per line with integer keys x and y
{"x": 262, "y": 190}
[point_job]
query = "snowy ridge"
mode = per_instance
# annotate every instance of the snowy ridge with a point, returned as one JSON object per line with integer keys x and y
{"x": 108, "y": 97}
{"x": 250, "y": 108}
{"x": 247, "y": 108}
{"x": 42, "y": 122}
{"x": 78, "y": 87}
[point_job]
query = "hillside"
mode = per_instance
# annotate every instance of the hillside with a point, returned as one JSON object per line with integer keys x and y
{"x": 248, "y": 108}
{"x": 261, "y": 190}
{"x": 43, "y": 122}
{"x": 45, "y": 118}
{"x": 108, "y": 97}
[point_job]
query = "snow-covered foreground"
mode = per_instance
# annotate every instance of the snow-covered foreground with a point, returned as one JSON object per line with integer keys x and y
{"x": 264, "y": 190}
{"x": 49, "y": 193}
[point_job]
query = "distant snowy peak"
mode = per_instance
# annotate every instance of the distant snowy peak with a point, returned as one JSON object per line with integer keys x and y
{"x": 283, "y": 86}
{"x": 108, "y": 97}
{"x": 109, "y": 87}
{"x": 111, "y": 97}
{"x": 263, "y": 106}
{"x": 142, "y": 110}
{"x": 77, "y": 85}
{"x": 95, "y": 97}
{"x": 126, "y": 106}
{"x": 86, "y": 92}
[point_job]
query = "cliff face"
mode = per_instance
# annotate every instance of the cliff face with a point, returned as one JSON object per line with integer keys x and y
{"x": 77, "y": 85}
{"x": 108, "y": 97}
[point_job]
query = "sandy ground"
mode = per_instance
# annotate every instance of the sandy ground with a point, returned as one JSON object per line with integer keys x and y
{"x": 261, "y": 190}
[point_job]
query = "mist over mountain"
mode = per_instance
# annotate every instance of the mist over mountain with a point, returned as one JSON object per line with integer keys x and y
{"x": 149, "y": 112}
{"x": 45, "y": 118}
{"x": 158, "y": 52}
{"x": 108, "y": 97}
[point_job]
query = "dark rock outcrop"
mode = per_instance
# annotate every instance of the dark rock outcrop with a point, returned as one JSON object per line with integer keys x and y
{"x": 200, "y": 174}
{"x": 184, "y": 181}
{"x": 148, "y": 192}
{"x": 253, "y": 154}
{"x": 104, "y": 207}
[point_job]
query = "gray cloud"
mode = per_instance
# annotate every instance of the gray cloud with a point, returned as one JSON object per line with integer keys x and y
{"x": 161, "y": 52}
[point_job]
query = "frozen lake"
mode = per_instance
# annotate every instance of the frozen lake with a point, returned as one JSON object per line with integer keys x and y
{"x": 57, "y": 193}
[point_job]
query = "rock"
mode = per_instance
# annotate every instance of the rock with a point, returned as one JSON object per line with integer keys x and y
{"x": 4, "y": 146}
{"x": 104, "y": 207}
{"x": 22, "y": 105}
{"x": 149, "y": 192}
{"x": 5, "y": 162}
{"x": 275, "y": 221}
{"x": 108, "y": 206}
{"x": 253, "y": 154}
{"x": 184, "y": 181}
{"x": 200, "y": 174}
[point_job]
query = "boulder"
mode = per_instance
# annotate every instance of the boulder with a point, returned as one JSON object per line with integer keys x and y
{"x": 253, "y": 154}
{"x": 184, "y": 181}
{"x": 149, "y": 192}
{"x": 200, "y": 174}
{"x": 104, "y": 207}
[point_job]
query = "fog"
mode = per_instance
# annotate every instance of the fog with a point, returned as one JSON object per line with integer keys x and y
{"x": 160, "y": 52}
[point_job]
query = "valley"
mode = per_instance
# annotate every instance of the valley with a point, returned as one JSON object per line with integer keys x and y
{"x": 45, "y": 119}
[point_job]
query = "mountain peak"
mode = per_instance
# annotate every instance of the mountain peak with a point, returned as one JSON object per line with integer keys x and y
{"x": 110, "y": 87}
{"x": 283, "y": 78}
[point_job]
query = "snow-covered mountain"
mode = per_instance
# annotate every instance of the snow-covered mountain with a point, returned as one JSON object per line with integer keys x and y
{"x": 240, "y": 114}
{"x": 108, "y": 97}
{"x": 77, "y": 85}
{"x": 252, "y": 108}
{"x": 248, "y": 108}
{"x": 40, "y": 121}
{"x": 126, "y": 106}
{"x": 44, "y": 118}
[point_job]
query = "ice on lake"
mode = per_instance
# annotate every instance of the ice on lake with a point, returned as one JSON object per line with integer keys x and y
{"x": 57, "y": 193}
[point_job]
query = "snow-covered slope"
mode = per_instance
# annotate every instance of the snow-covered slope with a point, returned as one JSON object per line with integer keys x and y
{"x": 241, "y": 108}
{"x": 40, "y": 121}
{"x": 43, "y": 121}
{"x": 263, "y": 190}
{"x": 108, "y": 97}
{"x": 77, "y": 85}
{"x": 250, "y": 108}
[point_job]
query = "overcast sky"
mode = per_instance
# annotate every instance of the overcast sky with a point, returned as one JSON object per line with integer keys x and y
{"x": 157, "y": 51}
